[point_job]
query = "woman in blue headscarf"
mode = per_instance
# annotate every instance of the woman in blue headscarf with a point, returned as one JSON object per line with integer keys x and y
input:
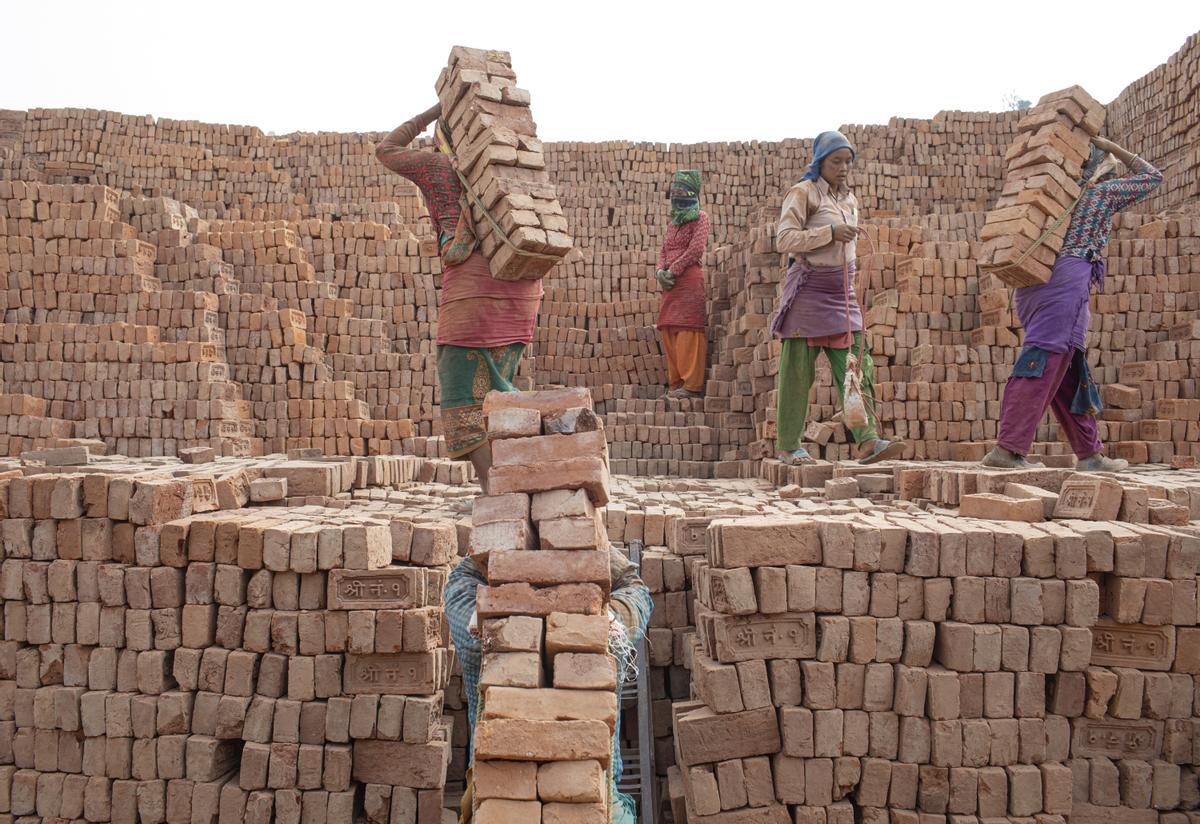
{"x": 817, "y": 230}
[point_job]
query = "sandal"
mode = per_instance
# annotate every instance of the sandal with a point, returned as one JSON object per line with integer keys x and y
{"x": 796, "y": 457}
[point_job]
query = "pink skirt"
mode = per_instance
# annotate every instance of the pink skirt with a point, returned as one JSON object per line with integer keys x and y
{"x": 475, "y": 309}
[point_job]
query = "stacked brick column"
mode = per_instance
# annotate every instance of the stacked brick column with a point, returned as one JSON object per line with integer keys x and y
{"x": 547, "y": 691}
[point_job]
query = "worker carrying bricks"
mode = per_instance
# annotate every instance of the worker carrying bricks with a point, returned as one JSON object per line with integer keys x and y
{"x": 484, "y": 324}
{"x": 682, "y": 316}
{"x": 818, "y": 310}
{"x": 628, "y": 614}
{"x": 1052, "y": 369}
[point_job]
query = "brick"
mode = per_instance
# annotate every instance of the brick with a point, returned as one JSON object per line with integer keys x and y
{"x": 513, "y": 780}
{"x": 530, "y": 740}
{"x": 1090, "y": 499}
{"x": 549, "y": 567}
{"x": 576, "y": 633}
{"x": 576, "y": 782}
{"x": 422, "y": 766}
{"x": 514, "y": 422}
{"x": 705, "y": 737}
{"x": 993, "y": 506}
{"x": 551, "y": 705}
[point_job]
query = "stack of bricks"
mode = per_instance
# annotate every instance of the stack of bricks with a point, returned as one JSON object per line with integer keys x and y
{"x": 909, "y": 668}
{"x": 518, "y": 219}
{"x": 86, "y": 328}
{"x": 670, "y": 518}
{"x": 172, "y": 655}
{"x": 1160, "y": 115}
{"x": 547, "y": 684}
{"x": 27, "y": 425}
{"x": 1044, "y": 163}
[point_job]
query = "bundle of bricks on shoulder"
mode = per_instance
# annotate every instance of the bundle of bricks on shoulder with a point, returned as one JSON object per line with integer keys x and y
{"x": 514, "y": 206}
{"x": 547, "y": 684}
{"x": 173, "y": 655}
{"x": 913, "y": 668}
{"x": 1024, "y": 232}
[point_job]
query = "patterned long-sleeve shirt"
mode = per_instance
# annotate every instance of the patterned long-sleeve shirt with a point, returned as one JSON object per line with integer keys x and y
{"x": 432, "y": 173}
{"x": 1091, "y": 222}
{"x": 684, "y": 245}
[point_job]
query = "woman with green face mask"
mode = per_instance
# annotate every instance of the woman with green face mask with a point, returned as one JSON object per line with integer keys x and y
{"x": 682, "y": 315}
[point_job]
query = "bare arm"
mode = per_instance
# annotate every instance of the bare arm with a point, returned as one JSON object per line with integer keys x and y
{"x": 1122, "y": 154}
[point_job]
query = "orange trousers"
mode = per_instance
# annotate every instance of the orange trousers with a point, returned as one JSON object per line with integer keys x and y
{"x": 687, "y": 353}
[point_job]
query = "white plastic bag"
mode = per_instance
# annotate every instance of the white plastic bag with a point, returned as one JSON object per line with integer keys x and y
{"x": 854, "y": 410}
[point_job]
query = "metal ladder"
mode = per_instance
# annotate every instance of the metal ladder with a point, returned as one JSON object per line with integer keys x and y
{"x": 637, "y": 761}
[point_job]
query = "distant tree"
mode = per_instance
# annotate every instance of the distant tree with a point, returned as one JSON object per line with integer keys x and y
{"x": 1014, "y": 103}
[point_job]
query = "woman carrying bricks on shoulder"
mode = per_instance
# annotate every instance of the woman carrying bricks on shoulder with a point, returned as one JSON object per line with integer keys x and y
{"x": 1052, "y": 369}
{"x": 628, "y": 616}
{"x": 484, "y": 324}
{"x": 817, "y": 230}
{"x": 682, "y": 315}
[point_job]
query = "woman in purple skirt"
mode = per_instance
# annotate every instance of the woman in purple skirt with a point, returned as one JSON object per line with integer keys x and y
{"x": 1052, "y": 369}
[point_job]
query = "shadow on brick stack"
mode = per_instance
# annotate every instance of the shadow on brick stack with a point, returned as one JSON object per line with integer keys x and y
{"x": 920, "y": 668}
{"x": 548, "y": 703}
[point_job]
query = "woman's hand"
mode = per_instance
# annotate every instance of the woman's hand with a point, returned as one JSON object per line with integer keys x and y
{"x": 665, "y": 279}
{"x": 844, "y": 233}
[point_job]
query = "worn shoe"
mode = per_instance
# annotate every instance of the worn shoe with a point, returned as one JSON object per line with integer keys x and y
{"x": 1001, "y": 458}
{"x": 683, "y": 394}
{"x": 796, "y": 457}
{"x": 1101, "y": 463}
{"x": 882, "y": 450}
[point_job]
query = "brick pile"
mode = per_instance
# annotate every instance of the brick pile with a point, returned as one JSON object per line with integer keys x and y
{"x": 157, "y": 338}
{"x": 498, "y": 153}
{"x": 173, "y": 654}
{"x": 1154, "y": 496}
{"x": 908, "y": 668}
{"x": 1157, "y": 113}
{"x": 670, "y": 517}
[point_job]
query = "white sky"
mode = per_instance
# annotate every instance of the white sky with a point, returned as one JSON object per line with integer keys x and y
{"x": 600, "y": 70}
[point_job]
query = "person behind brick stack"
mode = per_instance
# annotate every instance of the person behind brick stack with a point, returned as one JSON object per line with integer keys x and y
{"x": 682, "y": 316}
{"x": 1052, "y": 369}
{"x": 628, "y": 614}
{"x": 484, "y": 324}
{"x": 817, "y": 230}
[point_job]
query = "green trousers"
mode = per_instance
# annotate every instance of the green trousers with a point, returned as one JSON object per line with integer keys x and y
{"x": 797, "y": 371}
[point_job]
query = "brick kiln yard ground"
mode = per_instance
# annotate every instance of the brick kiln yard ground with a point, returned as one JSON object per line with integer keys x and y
{"x": 240, "y": 637}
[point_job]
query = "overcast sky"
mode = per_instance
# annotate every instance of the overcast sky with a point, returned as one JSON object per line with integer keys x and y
{"x": 662, "y": 71}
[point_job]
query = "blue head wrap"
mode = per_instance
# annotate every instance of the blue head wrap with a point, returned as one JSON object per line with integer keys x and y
{"x": 826, "y": 144}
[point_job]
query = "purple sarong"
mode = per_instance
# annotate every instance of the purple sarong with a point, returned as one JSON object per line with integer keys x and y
{"x": 813, "y": 303}
{"x": 1055, "y": 314}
